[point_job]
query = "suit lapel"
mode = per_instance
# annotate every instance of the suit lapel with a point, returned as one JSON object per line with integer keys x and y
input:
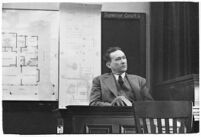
{"x": 111, "y": 84}
{"x": 134, "y": 83}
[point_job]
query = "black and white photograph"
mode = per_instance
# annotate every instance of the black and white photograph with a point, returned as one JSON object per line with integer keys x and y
{"x": 98, "y": 67}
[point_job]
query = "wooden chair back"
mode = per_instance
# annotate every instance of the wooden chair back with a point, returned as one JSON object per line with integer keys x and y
{"x": 158, "y": 117}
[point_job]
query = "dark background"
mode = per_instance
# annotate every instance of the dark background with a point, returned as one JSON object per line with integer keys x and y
{"x": 130, "y": 35}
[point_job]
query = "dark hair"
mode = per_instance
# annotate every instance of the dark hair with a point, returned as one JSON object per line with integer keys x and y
{"x": 108, "y": 51}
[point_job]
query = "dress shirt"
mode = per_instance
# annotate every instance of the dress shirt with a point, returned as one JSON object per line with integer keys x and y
{"x": 117, "y": 76}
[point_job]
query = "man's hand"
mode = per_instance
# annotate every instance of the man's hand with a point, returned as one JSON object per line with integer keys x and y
{"x": 121, "y": 101}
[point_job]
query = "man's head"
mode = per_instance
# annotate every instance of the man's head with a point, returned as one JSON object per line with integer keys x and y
{"x": 116, "y": 60}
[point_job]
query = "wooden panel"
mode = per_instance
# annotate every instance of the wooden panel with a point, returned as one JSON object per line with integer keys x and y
{"x": 91, "y": 115}
{"x": 181, "y": 88}
{"x": 145, "y": 126}
{"x": 80, "y": 122}
{"x": 165, "y": 111}
{"x": 153, "y": 129}
{"x": 98, "y": 129}
{"x": 174, "y": 125}
{"x": 182, "y": 128}
{"x": 81, "y": 116}
{"x": 91, "y": 119}
{"x": 127, "y": 129}
{"x": 159, "y": 125}
{"x": 27, "y": 117}
{"x": 167, "y": 125}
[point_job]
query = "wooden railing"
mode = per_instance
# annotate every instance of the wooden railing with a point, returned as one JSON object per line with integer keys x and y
{"x": 143, "y": 117}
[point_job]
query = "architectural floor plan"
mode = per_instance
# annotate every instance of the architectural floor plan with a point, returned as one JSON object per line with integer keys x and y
{"x": 20, "y": 60}
{"x": 29, "y": 55}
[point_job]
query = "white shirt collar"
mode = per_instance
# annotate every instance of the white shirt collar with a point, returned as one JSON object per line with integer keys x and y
{"x": 117, "y": 75}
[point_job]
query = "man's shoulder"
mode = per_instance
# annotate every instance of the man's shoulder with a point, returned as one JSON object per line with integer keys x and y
{"x": 135, "y": 77}
{"x": 103, "y": 76}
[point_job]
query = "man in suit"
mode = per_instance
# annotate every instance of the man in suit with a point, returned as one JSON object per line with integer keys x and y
{"x": 118, "y": 88}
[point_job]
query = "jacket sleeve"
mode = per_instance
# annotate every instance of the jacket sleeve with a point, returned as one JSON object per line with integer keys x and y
{"x": 95, "y": 95}
{"x": 145, "y": 92}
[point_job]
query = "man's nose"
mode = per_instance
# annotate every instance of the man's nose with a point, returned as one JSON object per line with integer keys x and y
{"x": 123, "y": 61}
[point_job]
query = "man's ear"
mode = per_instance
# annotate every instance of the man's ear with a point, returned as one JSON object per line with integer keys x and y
{"x": 108, "y": 64}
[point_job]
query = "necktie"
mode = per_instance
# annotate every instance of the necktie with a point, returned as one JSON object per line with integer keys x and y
{"x": 120, "y": 80}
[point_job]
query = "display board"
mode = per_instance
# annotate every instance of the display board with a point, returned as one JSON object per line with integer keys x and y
{"x": 30, "y": 54}
{"x": 80, "y": 50}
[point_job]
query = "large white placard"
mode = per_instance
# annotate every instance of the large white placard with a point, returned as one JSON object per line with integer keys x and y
{"x": 80, "y": 52}
{"x": 30, "y": 54}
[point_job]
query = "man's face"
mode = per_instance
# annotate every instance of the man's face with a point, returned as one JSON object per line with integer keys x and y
{"x": 118, "y": 63}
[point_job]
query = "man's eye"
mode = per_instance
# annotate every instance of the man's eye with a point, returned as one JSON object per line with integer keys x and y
{"x": 118, "y": 58}
{"x": 124, "y": 57}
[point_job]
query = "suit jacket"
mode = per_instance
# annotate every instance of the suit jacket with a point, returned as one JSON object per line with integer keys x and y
{"x": 104, "y": 89}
